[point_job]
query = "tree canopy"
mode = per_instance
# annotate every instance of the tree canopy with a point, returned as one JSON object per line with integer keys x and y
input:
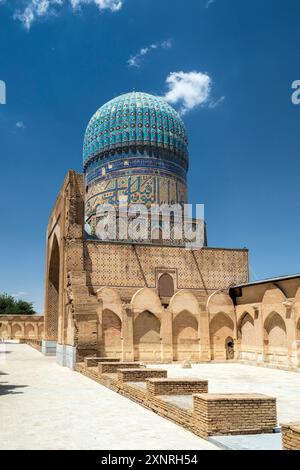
{"x": 10, "y": 306}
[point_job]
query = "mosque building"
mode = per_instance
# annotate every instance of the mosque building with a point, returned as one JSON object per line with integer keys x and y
{"x": 157, "y": 300}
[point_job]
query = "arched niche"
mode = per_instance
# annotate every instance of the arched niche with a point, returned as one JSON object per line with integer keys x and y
{"x": 146, "y": 337}
{"x": 184, "y": 300}
{"x": 185, "y": 336}
{"x": 111, "y": 300}
{"x": 146, "y": 299}
{"x": 111, "y": 344}
{"x": 221, "y": 328}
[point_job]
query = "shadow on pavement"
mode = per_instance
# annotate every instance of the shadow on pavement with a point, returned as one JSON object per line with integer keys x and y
{"x": 10, "y": 389}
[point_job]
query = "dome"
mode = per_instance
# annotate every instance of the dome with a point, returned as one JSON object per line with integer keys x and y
{"x": 135, "y": 149}
{"x": 135, "y": 120}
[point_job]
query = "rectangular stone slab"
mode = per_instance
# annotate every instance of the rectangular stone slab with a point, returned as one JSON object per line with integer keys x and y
{"x": 93, "y": 361}
{"x": 176, "y": 386}
{"x": 139, "y": 375}
{"x": 242, "y": 413}
{"x": 112, "y": 367}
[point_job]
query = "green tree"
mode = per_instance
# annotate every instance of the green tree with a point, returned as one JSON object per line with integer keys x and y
{"x": 11, "y": 306}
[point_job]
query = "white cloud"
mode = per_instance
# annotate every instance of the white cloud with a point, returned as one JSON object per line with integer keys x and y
{"x": 19, "y": 294}
{"x": 214, "y": 104}
{"x": 135, "y": 60}
{"x": 209, "y": 3}
{"x": 35, "y": 9}
{"x": 20, "y": 125}
{"x": 188, "y": 89}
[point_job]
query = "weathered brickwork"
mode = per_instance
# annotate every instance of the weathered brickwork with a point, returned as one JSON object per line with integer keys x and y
{"x": 138, "y": 375}
{"x": 222, "y": 414}
{"x": 93, "y": 361}
{"x": 291, "y": 436}
{"x": 107, "y": 299}
{"x": 112, "y": 367}
{"x": 157, "y": 386}
{"x": 207, "y": 415}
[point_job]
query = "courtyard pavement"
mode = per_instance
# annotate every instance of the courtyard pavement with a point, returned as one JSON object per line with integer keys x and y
{"x": 46, "y": 406}
{"x": 240, "y": 378}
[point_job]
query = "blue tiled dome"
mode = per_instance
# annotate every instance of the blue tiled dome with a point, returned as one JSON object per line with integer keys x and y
{"x": 136, "y": 120}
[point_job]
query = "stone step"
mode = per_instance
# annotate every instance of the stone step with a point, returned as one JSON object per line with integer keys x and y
{"x": 93, "y": 361}
{"x": 112, "y": 367}
{"x": 234, "y": 413}
{"x": 140, "y": 374}
{"x": 176, "y": 386}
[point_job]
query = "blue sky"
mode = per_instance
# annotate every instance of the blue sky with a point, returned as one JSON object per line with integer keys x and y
{"x": 61, "y": 62}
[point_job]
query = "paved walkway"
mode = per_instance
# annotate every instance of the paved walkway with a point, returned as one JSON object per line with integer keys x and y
{"x": 236, "y": 378}
{"x": 46, "y": 406}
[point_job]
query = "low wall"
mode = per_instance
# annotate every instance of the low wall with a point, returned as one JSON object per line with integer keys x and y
{"x": 112, "y": 367}
{"x": 176, "y": 386}
{"x": 139, "y": 375}
{"x": 93, "y": 361}
{"x": 203, "y": 414}
{"x": 229, "y": 414}
{"x": 291, "y": 436}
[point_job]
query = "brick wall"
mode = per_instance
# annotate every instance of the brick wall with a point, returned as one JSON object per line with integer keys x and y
{"x": 234, "y": 414}
{"x": 291, "y": 436}
{"x": 93, "y": 361}
{"x": 178, "y": 386}
{"x": 139, "y": 375}
{"x": 112, "y": 367}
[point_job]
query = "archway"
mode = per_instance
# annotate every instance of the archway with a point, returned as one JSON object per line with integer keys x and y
{"x": 16, "y": 331}
{"x": 146, "y": 337}
{"x": 111, "y": 345}
{"x": 185, "y": 337}
{"x": 29, "y": 331}
{"x": 246, "y": 336}
{"x": 52, "y": 310}
{"x": 275, "y": 338}
{"x": 221, "y": 328}
{"x": 4, "y": 331}
{"x": 165, "y": 286}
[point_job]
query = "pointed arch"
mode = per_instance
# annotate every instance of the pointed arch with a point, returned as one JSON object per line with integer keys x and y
{"x": 111, "y": 300}
{"x": 17, "y": 331}
{"x": 184, "y": 300}
{"x": 146, "y": 337}
{"x": 146, "y": 299}
{"x": 185, "y": 337}
{"x": 221, "y": 327}
{"x": 275, "y": 330}
{"x": 29, "y": 330}
{"x": 111, "y": 344}
{"x": 246, "y": 332}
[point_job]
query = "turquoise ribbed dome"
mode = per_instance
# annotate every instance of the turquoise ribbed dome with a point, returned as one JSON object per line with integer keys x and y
{"x": 136, "y": 121}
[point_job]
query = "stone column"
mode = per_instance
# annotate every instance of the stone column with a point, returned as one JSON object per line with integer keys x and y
{"x": 204, "y": 335}
{"x": 167, "y": 335}
{"x": 127, "y": 334}
{"x": 291, "y": 335}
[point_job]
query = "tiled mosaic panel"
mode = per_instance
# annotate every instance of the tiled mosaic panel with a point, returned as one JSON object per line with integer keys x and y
{"x": 117, "y": 265}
